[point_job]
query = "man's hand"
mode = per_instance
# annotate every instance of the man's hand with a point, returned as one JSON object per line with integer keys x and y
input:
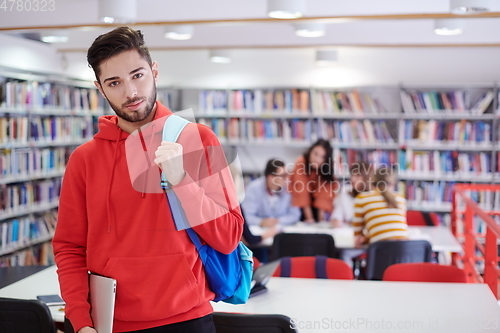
{"x": 271, "y": 232}
{"x": 169, "y": 158}
{"x": 268, "y": 222}
{"x": 336, "y": 223}
{"x": 87, "y": 329}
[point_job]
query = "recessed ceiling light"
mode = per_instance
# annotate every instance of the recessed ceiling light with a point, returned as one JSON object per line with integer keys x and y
{"x": 117, "y": 11}
{"x": 449, "y": 27}
{"x": 286, "y": 9}
{"x": 467, "y": 7}
{"x": 220, "y": 56}
{"x": 179, "y": 32}
{"x": 309, "y": 29}
{"x": 55, "y": 36}
{"x": 326, "y": 57}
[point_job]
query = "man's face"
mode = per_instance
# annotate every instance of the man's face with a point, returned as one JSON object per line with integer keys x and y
{"x": 128, "y": 83}
{"x": 277, "y": 180}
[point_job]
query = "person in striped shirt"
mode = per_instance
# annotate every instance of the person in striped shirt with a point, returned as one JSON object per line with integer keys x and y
{"x": 380, "y": 214}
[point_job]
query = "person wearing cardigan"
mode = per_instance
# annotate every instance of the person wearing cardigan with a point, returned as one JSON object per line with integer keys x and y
{"x": 313, "y": 183}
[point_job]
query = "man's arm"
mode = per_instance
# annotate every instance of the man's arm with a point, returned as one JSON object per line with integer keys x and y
{"x": 251, "y": 206}
{"x": 69, "y": 244}
{"x": 292, "y": 215}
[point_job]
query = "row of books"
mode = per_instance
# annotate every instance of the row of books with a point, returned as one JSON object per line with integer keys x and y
{"x": 45, "y": 129}
{"x": 261, "y": 101}
{"x": 456, "y": 132}
{"x": 444, "y": 163}
{"x": 438, "y": 102}
{"x": 344, "y": 158}
{"x": 426, "y": 193}
{"x": 33, "y": 162}
{"x": 352, "y": 102}
{"x": 19, "y": 198}
{"x": 25, "y": 231}
{"x": 34, "y": 95}
{"x": 345, "y": 132}
{"x": 36, "y": 255}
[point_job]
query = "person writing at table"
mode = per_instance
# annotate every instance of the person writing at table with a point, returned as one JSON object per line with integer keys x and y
{"x": 380, "y": 214}
{"x": 267, "y": 201}
{"x": 343, "y": 204}
{"x": 313, "y": 184}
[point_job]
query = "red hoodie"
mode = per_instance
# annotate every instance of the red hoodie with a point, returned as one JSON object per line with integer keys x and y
{"x": 108, "y": 227}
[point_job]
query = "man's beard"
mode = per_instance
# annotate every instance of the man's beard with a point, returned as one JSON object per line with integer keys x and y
{"x": 140, "y": 114}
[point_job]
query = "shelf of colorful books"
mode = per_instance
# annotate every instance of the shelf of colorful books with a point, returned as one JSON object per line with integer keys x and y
{"x": 27, "y": 178}
{"x": 43, "y": 144}
{"x": 429, "y": 206}
{"x": 453, "y": 177}
{"x": 28, "y": 209}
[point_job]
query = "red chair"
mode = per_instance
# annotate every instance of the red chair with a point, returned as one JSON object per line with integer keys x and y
{"x": 424, "y": 272}
{"x": 313, "y": 268}
{"x": 416, "y": 217}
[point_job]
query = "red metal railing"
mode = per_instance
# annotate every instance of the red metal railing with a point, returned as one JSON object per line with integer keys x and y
{"x": 475, "y": 250}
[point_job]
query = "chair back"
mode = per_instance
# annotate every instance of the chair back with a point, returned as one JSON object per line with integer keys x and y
{"x": 424, "y": 272}
{"x": 301, "y": 245}
{"x": 251, "y": 323}
{"x": 381, "y": 255}
{"x": 317, "y": 267}
{"x": 419, "y": 218}
{"x": 25, "y": 316}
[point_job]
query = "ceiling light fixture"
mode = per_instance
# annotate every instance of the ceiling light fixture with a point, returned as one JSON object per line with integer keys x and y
{"x": 326, "y": 57}
{"x": 309, "y": 29}
{"x": 449, "y": 27}
{"x": 117, "y": 11}
{"x": 286, "y": 9}
{"x": 468, "y": 7}
{"x": 55, "y": 36}
{"x": 179, "y": 32}
{"x": 220, "y": 56}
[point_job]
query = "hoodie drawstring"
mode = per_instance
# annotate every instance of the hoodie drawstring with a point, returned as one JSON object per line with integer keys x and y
{"x": 111, "y": 180}
{"x": 145, "y": 149}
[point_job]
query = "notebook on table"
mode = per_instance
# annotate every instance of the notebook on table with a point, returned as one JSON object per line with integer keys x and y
{"x": 261, "y": 276}
{"x": 102, "y": 301}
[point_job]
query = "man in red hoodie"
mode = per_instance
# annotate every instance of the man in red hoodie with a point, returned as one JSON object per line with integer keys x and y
{"x": 117, "y": 223}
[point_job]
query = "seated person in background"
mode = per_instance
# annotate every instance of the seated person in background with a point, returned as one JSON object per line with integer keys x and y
{"x": 380, "y": 214}
{"x": 267, "y": 201}
{"x": 313, "y": 184}
{"x": 343, "y": 211}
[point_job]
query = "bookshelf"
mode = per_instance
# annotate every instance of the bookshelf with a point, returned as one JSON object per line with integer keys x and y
{"x": 43, "y": 118}
{"x": 436, "y": 135}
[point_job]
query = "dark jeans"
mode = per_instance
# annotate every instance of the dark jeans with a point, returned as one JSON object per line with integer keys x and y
{"x": 198, "y": 325}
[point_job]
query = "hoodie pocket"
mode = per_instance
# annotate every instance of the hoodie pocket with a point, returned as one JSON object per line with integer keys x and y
{"x": 152, "y": 288}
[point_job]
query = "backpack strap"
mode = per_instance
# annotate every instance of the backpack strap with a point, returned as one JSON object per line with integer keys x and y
{"x": 286, "y": 266}
{"x": 171, "y": 130}
{"x": 320, "y": 267}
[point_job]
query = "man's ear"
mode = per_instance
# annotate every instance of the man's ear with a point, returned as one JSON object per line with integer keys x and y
{"x": 154, "y": 69}
{"x": 98, "y": 85}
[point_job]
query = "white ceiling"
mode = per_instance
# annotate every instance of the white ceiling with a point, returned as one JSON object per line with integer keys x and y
{"x": 379, "y": 42}
{"x": 219, "y": 32}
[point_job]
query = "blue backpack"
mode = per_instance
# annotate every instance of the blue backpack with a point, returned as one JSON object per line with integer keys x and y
{"x": 229, "y": 276}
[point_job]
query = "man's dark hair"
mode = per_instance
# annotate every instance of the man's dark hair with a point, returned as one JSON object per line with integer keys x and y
{"x": 113, "y": 43}
{"x": 272, "y": 166}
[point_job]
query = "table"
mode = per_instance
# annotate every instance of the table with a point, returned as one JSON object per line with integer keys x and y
{"x": 333, "y": 306}
{"x": 44, "y": 282}
{"x": 440, "y": 237}
{"x": 309, "y": 300}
